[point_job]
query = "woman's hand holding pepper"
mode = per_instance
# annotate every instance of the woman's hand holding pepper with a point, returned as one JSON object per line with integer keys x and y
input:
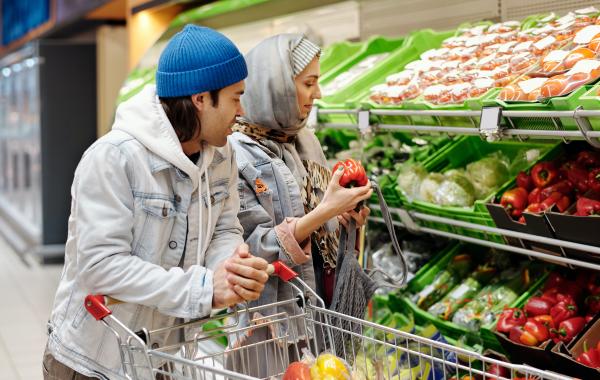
{"x": 339, "y": 200}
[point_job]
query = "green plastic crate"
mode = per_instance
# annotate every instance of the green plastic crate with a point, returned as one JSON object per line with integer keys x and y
{"x": 558, "y": 103}
{"x": 414, "y": 45}
{"x": 375, "y": 45}
{"x": 337, "y": 53}
{"x": 591, "y": 101}
{"x": 424, "y": 277}
{"x": 463, "y": 151}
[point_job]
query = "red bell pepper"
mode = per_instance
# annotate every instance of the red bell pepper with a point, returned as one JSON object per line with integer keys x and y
{"x": 561, "y": 201}
{"x": 562, "y": 311}
{"x": 593, "y": 304}
{"x": 535, "y": 208}
{"x": 514, "y": 199}
{"x": 519, "y": 335}
{"x": 589, "y": 317}
{"x": 524, "y": 181}
{"x": 589, "y": 357}
{"x": 538, "y": 330}
{"x": 588, "y": 159}
{"x": 510, "y": 318}
{"x": 554, "y": 279}
{"x": 535, "y": 196}
{"x": 544, "y": 174}
{"x": 568, "y": 292}
{"x": 546, "y": 320}
{"x": 567, "y": 329}
{"x": 537, "y": 306}
{"x": 594, "y": 180}
{"x": 576, "y": 174}
{"x": 497, "y": 370}
{"x": 593, "y": 283}
{"x": 587, "y": 207}
{"x": 563, "y": 187}
{"x": 354, "y": 173}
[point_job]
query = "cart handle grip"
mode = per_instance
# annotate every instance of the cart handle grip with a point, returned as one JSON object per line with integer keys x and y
{"x": 96, "y": 304}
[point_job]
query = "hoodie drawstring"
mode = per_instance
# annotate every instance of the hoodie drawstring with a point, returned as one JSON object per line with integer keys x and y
{"x": 200, "y": 213}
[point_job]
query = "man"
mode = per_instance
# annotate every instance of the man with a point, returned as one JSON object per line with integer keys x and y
{"x": 138, "y": 231}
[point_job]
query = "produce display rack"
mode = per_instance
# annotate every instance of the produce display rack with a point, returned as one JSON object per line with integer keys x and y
{"x": 497, "y": 127}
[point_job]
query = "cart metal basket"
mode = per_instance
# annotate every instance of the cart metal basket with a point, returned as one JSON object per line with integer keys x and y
{"x": 371, "y": 351}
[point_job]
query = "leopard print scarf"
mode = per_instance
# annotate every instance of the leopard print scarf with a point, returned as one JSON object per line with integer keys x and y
{"x": 313, "y": 187}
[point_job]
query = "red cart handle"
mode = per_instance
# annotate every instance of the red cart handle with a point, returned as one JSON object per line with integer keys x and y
{"x": 96, "y": 304}
{"x": 279, "y": 269}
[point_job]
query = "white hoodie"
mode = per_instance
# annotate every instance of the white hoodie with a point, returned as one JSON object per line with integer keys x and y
{"x": 128, "y": 231}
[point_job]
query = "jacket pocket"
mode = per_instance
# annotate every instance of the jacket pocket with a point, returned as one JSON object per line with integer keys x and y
{"x": 80, "y": 316}
{"x": 159, "y": 217}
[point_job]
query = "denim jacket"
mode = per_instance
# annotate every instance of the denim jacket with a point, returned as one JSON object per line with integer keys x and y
{"x": 262, "y": 212}
{"x": 134, "y": 217}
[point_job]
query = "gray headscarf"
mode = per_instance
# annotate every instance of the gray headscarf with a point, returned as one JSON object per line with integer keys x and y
{"x": 270, "y": 100}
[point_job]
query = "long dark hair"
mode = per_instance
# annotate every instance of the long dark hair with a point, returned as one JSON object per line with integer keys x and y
{"x": 183, "y": 115}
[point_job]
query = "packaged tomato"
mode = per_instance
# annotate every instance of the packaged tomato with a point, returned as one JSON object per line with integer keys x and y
{"x": 584, "y": 71}
{"x": 411, "y": 91}
{"x": 430, "y": 77}
{"x": 480, "y": 86}
{"x": 544, "y": 45}
{"x": 505, "y": 81}
{"x": 451, "y": 77}
{"x": 520, "y": 91}
{"x": 378, "y": 94}
{"x": 504, "y": 27}
{"x": 468, "y": 76}
{"x": 470, "y": 64}
{"x": 594, "y": 44}
{"x": 400, "y": 79}
{"x": 522, "y": 62}
{"x": 432, "y": 93}
{"x": 501, "y": 72}
{"x": 587, "y": 34}
{"x": 577, "y": 55}
{"x": 435, "y": 54}
{"x": 553, "y": 61}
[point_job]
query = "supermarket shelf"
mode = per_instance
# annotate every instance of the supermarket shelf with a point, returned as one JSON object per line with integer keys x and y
{"x": 407, "y": 221}
{"x": 491, "y": 133}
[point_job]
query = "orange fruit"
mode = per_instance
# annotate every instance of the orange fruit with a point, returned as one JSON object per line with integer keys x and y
{"x": 554, "y": 86}
{"x": 595, "y": 44}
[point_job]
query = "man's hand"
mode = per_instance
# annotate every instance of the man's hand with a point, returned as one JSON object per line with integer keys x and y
{"x": 240, "y": 278}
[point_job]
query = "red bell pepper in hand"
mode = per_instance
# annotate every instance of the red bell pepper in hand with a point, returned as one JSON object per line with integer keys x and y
{"x": 594, "y": 180}
{"x": 588, "y": 159}
{"x": 354, "y": 173}
{"x": 587, "y": 207}
{"x": 510, "y": 318}
{"x": 514, "y": 199}
{"x": 544, "y": 174}
{"x": 545, "y": 320}
{"x": 567, "y": 329}
{"x": 519, "y": 335}
{"x": 524, "y": 181}
{"x": 562, "y": 311}
{"x": 535, "y": 196}
{"x": 537, "y": 329}
{"x": 537, "y": 306}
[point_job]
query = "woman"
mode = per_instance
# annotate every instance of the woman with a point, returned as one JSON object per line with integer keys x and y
{"x": 289, "y": 200}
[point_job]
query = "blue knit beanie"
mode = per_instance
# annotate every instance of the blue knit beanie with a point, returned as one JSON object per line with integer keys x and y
{"x": 198, "y": 59}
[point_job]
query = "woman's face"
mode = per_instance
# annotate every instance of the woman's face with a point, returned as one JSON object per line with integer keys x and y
{"x": 307, "y": 87}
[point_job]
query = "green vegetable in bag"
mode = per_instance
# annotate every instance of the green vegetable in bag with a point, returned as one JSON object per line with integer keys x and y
{"x": 429, "y": 187}
{"x": 410, "y": 177}
{"x": 455, "y": 190}
{"x": 463, "y": 293}
{"x": 491, "y": 301}
{"x": 443, "y": 281}
{"x": 489, "y": 172}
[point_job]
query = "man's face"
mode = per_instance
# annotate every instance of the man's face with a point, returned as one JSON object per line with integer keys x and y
{"x": 216, "y": 120}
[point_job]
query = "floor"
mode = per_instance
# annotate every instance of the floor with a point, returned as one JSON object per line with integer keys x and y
{"x": 27, "y": 294}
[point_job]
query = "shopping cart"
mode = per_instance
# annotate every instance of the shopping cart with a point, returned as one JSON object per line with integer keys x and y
{"x": 372, "y": 351}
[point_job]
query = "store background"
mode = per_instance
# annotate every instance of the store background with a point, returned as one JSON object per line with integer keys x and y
{"x": 62, "y": 65}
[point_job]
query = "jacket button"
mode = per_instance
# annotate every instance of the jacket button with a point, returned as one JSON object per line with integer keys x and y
{"x": 172, "y": 244}
{"x": 177, "y": 198}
